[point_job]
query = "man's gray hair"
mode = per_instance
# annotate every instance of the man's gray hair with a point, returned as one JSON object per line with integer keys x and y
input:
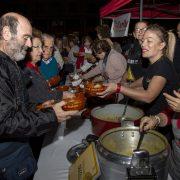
{"x": 11, "y": 22}
{"x": 47, "y": 36}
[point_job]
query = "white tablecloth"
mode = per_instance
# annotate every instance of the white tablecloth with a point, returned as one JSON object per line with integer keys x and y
{"x": 52, "y": 163}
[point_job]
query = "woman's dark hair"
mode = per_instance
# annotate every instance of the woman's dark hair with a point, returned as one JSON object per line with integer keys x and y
{"x": 167, "y": 37}
{"x": 36, "y": 33}
{"x": 101, "y": 46}
{"x": 103, "y": 30}
{"x": 142, "y": 21}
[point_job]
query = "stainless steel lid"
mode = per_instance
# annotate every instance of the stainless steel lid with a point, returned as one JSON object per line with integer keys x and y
{"x": 113, "y": 112}
{"x": 123, "y": 140}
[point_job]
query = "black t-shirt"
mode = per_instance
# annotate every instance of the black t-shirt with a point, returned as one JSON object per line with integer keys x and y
{"x": 176, "y": 59}
{"x": 135, "y": 60}
{"x": 163, "y": 67}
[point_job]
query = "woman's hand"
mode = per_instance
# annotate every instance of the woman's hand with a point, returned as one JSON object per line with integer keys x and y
{"x": 174, "y": 102}
{"x": 148, "y": 123}
{"x": 61, "y": 114}
{"x": 111, "y": 88}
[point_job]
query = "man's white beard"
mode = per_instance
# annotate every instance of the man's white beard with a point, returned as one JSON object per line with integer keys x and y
{"x": 15, "y": 50}
{"x": 18, "y": 56}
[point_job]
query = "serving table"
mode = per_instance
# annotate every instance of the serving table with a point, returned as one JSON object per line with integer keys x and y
{"x": 52, "y": 163}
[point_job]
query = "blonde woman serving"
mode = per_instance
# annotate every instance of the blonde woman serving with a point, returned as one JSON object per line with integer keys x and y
{"x": 160, "y": 76}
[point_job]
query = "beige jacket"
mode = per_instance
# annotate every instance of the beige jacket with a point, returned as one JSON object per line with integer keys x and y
{"x": 115, "y": 67}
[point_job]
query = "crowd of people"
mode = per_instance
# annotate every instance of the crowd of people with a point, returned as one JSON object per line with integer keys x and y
{"x": 33, "y": 63}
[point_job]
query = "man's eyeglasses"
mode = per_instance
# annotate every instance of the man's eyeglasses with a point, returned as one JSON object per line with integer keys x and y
{"x": 140, "y": 29}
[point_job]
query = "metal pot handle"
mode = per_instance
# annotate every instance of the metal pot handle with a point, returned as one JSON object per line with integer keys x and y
{"x": 91, "y": 138}
{"x": 126, "y": 122}
{"x": 140, "y": 167}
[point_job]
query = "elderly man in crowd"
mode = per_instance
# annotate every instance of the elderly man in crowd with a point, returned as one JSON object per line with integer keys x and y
{"x": 48, "y": 67}
{"x": 19, "y": 119}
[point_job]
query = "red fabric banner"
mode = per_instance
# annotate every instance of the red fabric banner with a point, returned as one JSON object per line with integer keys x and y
{"x": 112, "y": 6}
{"x": 160, "y": 11}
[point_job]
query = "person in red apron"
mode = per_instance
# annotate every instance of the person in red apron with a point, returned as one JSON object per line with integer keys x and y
{"x": 168, "y": 116}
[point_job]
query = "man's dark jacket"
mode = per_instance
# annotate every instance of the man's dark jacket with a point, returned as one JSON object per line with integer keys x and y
{"x": 19, "y": 118}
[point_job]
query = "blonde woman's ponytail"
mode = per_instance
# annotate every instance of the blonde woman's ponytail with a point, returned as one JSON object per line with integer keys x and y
{"x": 171, "y": 45}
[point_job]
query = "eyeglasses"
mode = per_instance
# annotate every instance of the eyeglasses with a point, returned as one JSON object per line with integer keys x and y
{"x": 37, "y": 47}
{"x": 140, "y": 29}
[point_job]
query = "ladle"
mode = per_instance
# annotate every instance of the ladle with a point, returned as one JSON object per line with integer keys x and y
{"x": 124, "y": 111}
{"x": 140, "y": 140}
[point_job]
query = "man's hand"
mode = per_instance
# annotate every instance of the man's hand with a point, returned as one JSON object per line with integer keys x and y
{"x": 174, "y": 102}
{"x": 61, "y": 114}
{"x": 111, "y": 88}
{"x": 148, "y": 123}
{"x": 48, "y": 103}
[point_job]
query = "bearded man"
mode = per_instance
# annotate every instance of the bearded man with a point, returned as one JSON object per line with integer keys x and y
{"x": 18, "y": 118}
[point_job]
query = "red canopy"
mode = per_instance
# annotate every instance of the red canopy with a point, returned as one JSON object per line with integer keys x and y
{"x": 159, "y": 11}
{"x": 112, "y": 6}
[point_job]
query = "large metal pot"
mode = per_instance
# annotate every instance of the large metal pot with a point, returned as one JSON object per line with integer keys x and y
{"x": 109, "y": 116}
{"x": 115, "y": 148}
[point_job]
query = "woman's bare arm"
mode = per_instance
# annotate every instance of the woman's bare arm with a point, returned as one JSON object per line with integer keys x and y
{"x": 155, "y": 87}
{"x": 137, "y": 83}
